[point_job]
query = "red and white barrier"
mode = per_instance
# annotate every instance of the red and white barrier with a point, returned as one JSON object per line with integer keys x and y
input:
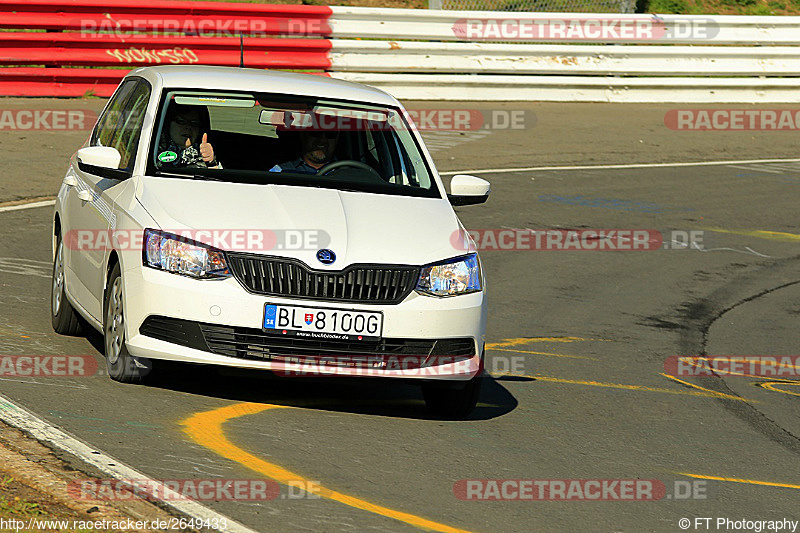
{"x": 81, "y": 34}
{"x": 414, "y": 54}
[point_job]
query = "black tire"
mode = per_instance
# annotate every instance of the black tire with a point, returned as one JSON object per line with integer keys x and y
{"x": 452, "y": 401}
{"x": 65, "y": 319}
{"x": 121, "y": 365}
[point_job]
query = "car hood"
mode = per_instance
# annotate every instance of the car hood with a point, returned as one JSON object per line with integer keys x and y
{"x": 359, "y": 227}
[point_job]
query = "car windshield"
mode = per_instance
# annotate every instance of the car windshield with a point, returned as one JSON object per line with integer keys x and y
{"x": 288, "y": 140}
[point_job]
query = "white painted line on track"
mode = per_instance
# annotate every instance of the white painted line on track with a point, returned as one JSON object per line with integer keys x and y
{"x": 14, "y": 415}
{"x": 610, "y": 167}
{"x": 31, "y": 205}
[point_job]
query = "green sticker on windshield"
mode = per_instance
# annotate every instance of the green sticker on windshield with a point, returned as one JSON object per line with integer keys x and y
{"x": 167, "y": 157}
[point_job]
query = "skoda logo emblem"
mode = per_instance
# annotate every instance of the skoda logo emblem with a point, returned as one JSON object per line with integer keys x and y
{"x": 326, "y": 257}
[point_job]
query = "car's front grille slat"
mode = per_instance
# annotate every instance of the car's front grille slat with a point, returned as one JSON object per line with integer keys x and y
{"x": 398, "y": 280}
{"x": 275, "y": 276}
{"x": 262, "y": 274}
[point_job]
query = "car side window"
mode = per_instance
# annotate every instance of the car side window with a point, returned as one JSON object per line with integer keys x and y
{"x": 107, "y": 125}
{"x": 130, "y": 125}
{"x": 121, "y": 125}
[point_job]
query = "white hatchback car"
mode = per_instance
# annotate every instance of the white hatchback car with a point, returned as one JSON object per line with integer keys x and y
{"x": 269, "y": 220}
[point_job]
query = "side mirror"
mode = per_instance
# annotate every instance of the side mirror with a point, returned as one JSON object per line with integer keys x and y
{"x": 468, "y": 190}
{"x": 99, "y": 156}
{"x": 102, "y": 161}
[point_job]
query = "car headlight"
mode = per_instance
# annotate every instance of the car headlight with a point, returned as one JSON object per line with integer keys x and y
{"x": 180, "y": 255}
{"x": 457, "y": 276}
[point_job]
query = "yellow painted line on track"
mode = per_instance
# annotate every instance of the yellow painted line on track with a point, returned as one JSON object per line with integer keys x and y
{"x": 550, "y": 354}
{"x": 641, "y": 388}
{"x": 507, "y": 346}
{"x": 206, "y": 430}
{"x": 770, "y": 385}
{"x": 714, "y": 393}
{"x": 525, "y": 340}
{"x": 739, "y": 480}
{"x": 761, "y": 234}
{"x": 709, "y": 366}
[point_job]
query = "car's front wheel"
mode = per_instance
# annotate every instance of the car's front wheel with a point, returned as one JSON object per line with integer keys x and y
{"x": 452, "y": 401}
{"x": 64, "y": 317}
{"x": 122, "y": 366}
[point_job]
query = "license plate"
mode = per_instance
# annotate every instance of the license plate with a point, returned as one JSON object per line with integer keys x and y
{"x": 316, "y": 323}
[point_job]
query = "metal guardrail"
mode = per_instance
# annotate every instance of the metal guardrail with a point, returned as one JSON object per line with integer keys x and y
{"x": 431, "y": 25}
{"x": 581, "y": 88}
{"x": 414, "y": 54}
{"x": 569, "y": 60}
{"x": 131, "y": 33}
{"x": 74, "y": 49}
{"x": 670, "y": 58}
{"x": 151, "y": 15}
{"x": 71, "y": 82}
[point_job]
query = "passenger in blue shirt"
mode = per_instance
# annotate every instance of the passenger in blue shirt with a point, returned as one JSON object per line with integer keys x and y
{"x": 317, "y": 148}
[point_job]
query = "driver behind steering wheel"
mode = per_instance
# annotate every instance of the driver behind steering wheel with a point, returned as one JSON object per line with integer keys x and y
{"x": 317, "y": 148}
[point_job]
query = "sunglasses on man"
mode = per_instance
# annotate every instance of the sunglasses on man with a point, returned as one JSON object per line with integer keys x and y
{"x": 180, "y": 121}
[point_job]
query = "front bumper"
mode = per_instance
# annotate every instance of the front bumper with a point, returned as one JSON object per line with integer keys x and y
{"x": 221, "y": 325}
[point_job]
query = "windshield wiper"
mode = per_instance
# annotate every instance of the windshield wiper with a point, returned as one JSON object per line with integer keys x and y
{"x": 191, "y": 176}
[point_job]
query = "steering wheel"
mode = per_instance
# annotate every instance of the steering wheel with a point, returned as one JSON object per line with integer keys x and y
{"x": 347, "y": 163}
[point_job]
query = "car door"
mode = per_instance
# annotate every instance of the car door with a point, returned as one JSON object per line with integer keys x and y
{"x": 91, "y": 202}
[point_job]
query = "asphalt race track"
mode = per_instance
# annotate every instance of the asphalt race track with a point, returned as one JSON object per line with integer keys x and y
{"x": 577, "y": 344}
